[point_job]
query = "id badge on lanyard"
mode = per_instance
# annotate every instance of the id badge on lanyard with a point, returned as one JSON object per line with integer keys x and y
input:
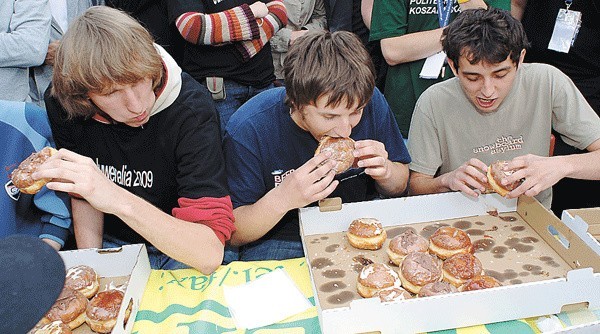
{"x": 434, "y": 64}
{"x": 566, "y": 28}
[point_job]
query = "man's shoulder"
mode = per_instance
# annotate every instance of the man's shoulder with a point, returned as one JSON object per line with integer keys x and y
{"x": 260, "y": 109}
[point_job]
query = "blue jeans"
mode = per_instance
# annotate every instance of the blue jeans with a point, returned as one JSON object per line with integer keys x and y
{"x": 236, "y": 95}
{"x": 271, "y": 250}
{"x": 158, "y": 260}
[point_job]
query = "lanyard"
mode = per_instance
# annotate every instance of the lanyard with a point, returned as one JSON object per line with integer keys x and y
{"x": 444, "y": 8}
{"x": 568, "y": 3}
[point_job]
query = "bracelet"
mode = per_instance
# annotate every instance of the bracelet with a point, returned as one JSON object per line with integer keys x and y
{"x": 462, "y": 1}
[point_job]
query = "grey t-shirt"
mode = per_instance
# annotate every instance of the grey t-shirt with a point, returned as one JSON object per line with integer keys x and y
{"x": 447, "y": 130}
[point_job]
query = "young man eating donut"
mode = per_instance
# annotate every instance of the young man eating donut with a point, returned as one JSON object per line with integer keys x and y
{"x": 270, "y": 144}
{"x": 140, "y": 150}
{"x": 498, "y": 108}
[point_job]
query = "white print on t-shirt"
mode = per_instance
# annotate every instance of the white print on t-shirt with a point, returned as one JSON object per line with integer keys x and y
{"x": 279, "y": 175}
{"x": 127, "y": 178}
{"x": 502, "y": 144}
{"x": 427, "y": 7}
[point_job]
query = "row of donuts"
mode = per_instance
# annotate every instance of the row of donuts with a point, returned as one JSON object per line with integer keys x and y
{"x": 443, "y": 264}
{"x": 80, "y": 301}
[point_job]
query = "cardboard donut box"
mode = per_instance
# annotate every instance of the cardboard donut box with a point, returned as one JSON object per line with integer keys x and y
{"x": 126, "y": 267}
{"x": 546, "y": 265}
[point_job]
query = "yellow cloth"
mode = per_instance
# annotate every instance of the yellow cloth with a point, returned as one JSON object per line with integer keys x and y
{"x": 187, "y": 302}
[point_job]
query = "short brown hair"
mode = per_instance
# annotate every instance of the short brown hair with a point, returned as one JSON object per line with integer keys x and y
{"x": 324, "y": 63}
{"x": 103, "y": 47}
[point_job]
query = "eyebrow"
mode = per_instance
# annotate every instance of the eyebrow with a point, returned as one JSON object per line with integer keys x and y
{"x": 507, "y": 67}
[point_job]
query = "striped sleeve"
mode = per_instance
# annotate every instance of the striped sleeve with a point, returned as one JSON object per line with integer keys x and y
{"x": 269, "y": 25}
{"x": 233, "y": 25}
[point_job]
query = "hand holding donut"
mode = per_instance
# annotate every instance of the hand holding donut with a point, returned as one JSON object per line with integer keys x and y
{"x": 373, "y": 156}
{"x": 74, "y": 173}
{"x": 469, "y": 176}
{"x": 311, "y": 182}
{"x": 536, "y": 173}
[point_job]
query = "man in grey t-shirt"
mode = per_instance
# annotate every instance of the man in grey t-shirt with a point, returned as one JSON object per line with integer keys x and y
{"x": 497, "y": 108}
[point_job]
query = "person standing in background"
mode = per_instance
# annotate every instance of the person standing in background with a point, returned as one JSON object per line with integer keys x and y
{"x": 24, "y": 36}
{"x": 227, "y": 47}
{"x": 303, "y": 16}
{"x": 63, "y": 12}
{"x": 410, "y": 33}
{"x": 581, "y": 62}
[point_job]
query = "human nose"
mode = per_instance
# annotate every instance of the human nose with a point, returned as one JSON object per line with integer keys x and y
{"x": 488, "y": 87}
{"x": 344, "y": 128}
{"x": 133, "y": 102}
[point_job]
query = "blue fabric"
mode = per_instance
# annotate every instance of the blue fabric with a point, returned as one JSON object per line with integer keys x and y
{"x": 24, "y": 129}
{"x": 262, "y": 145}
{"x": 236, "y": 95}
{"x": 158, "y": 260}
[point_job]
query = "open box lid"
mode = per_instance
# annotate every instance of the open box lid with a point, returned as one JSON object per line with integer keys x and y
{"x": 580, "y": 286}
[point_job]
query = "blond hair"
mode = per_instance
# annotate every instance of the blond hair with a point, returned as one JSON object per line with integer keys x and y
{"x": 102, "y": 48}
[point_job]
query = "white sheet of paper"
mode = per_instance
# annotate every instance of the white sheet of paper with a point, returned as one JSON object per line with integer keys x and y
{"x": 268, "y": 299}
{"x": 433, "y": 66}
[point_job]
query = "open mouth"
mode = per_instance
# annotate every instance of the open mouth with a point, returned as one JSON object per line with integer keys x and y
{"x": 485, "y": 103}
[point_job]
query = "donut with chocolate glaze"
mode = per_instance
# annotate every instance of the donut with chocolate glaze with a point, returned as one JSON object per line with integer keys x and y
{"x": 102, "y": 311}
{"x": 418, "y": 269}
{"x": 68, "y": 308}
{"x": 405, "y": 243}
{"x": 437, "y": 288}
{"x": 366, "y": 233}
{"x": 480, "y": 282}
{"x": 21, "y": 176}
{"x": 341, "y": 149}
{"x": 460, "y": 267}
{"x": 447, "y": 241}
{"x": 495, "y": 174}
{"x": 83, "y": 279}
{"x": 376, "y": 277}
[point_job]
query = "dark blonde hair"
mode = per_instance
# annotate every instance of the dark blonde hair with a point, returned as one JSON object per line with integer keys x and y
{"x": 324, "y": 63}
{"x": 103, "y": 47}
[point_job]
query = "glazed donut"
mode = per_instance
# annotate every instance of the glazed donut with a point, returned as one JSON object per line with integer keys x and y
{"x": 376, "y": 277}
{"x": 21, "y": 176}
{"x": 418, "y": 269}
{"x": 101, "y": 313}
{"x": 460, "y": 267}
{"x": 341, "y": 151}
{"x": 366, "y": 233}
{"x": 480, "y": 282}
{"x": 405, "y": 243}
{"x": 83, "y": 279}
{"x": 447, "y": 241}
{"x": 437, "y": 288}
{"x": 495, "y": 174}
{"x": 68, "y": 308}
{"x": 55, "y": 327}
{"x": 392, "y": 294}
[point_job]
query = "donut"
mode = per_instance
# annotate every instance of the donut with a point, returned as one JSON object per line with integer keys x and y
{"x": 436, "y": 288}
{"x": 55, "y": 327}
{"x": 495, "y": 174}
{"x": 405, "y": 243}
{"x": 447, "y": 241}
{"x": 366, "y": 233}
{"x": 376, "y": 277}
{"x": 341, "y": 149}
{"x": 102, "y": 310}
{"x": 21, "y": 176}
{"x": 418, "y": 269}
{"x": 460, "y": 267}
{"x": 68, "y": 308}
{"x": 83, "y": 279}
{"x": 480, "y": 282}
{"x": 391, "y": 294}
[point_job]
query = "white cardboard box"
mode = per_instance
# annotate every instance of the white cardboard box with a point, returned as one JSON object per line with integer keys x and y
{"x": 129, "y": 260}
{"x": 579, "y": 287}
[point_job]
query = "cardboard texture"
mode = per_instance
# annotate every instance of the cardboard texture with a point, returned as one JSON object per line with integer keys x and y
{"x": 126, "y": 268}
{"x": 541, "y": 272}
{"x": 590, "y": 215}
